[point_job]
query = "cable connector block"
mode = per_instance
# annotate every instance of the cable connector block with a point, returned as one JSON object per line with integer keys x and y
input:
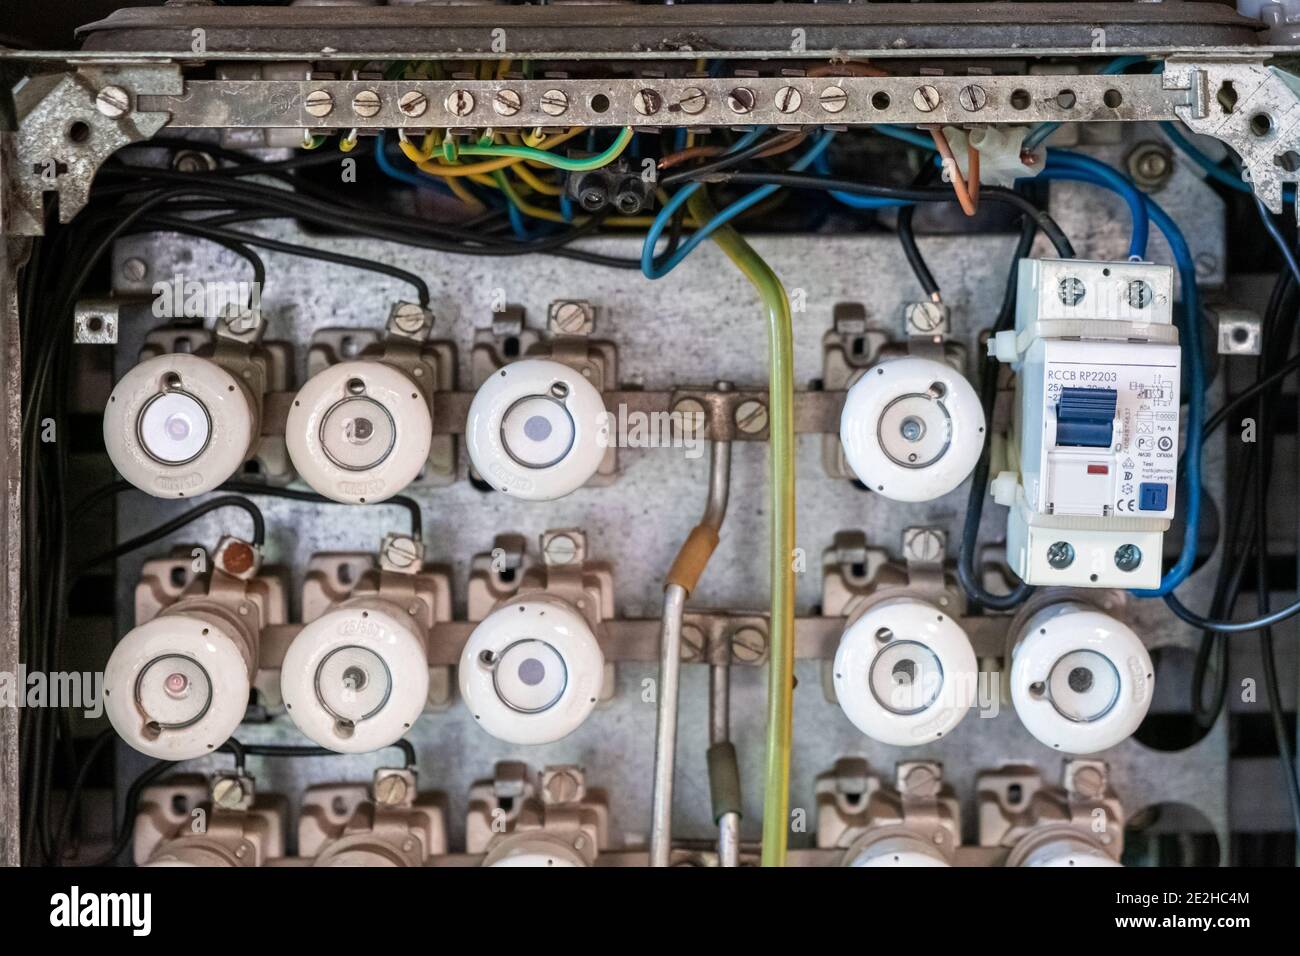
{"x": 1084, "y": 552}
{"x": 1077, "y": 290}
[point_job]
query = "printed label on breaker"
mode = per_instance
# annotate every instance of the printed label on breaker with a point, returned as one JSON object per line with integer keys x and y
{"x": 1144, "y": 444}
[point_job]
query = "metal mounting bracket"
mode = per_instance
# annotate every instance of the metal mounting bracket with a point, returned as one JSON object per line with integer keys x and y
{"x": 1253, "y": 108}
{"x": 68, "y": 125}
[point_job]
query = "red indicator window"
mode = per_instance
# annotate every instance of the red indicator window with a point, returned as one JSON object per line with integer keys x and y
{"x": 1099, "y": 469}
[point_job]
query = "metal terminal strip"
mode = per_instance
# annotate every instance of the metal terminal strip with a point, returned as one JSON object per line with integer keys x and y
{"x": 693, "y": 102}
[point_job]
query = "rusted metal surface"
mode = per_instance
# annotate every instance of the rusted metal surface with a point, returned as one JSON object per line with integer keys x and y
{"x": 685, "y": 32}
{"x": 12, "y": 252}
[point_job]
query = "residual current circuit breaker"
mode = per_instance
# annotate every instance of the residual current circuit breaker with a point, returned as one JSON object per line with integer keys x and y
{"x": 1093, "y": 452}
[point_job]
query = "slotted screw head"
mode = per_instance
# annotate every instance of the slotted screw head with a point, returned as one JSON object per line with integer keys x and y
{"x": 507, "y": 102}
{"x": 460, "y": 102}
{"x": 647, "y": 102}
{"x": 319, "y": 103}
{"x": 413, "y": 103}
{"x": 1089, "y": 782}
{"x": 691, "y": 416}
{"x": 788, "y": 99}
{"x": 693, "y": 100}
{"x": 113, "y": 101}
{"x": 228, "y": 793}
{"x": 748, "y": 645}
{"x": 751, "y": 416}
{"x": 740, "y": 100}
{"x": 554, "y": 102}
{"x": 692, "y": 643}
{"x": 409, "y": 317}
{"x": 926, "y": 98}
{"x": 973, "y": 98}
{"x": 921, "y": 781}
{"x": 561, "y": 549}
{"x": 366, "y": 103}
{"x": 135, "y": 269}
{"x": 833, "y": 99}
{"x": 402, "y": 551}
{"x": 569, "y": 317}
{"x": 390, "y": 790}
{"x": 562, "y": 787}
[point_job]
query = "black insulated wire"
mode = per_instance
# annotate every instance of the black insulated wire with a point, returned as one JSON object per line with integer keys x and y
{"x": 411, "y": 506}
{"x": 907, "y": 239}
{"x": 967, "y": 573}
{"x": 1060, "y": 242}
{"x": 181, "y": 521}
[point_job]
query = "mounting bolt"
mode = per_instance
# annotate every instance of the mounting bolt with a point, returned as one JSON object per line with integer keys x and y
{"x": 926, "y": 98}
{"x": 459, "y": 102}
{"x": 507, "y": 102}
{"x": 193, "y": 161}
{"x": 413, "y": 103}
{"x": 748, "y": 645}
{"x": 740, "y": 100}
{"x": 228, "y": 793}
{"x": 1139, "y": 293}
{"x": 1128, "y": 557}
{"x": 113, "y": 101}
{"x": 402, "y": 551}
{"x": 922, "y": 781}
{"x": 1089, "y": 782}
{"x": 833, "y": 99}
{"x": 571, "y": 317}
{"x": 924, "y": 545}
{"x": 390, "y": 790}
{"x": 693, "y": 100}
{"x": 925, "y": 317}
{"x": 973, "y": 98}
{"x": 561, "y": 549}
{"x": 647, "y": 102}
{"x": 691, "y": 417}
{"x": 1070, "y": 290}
{"x": 134, "y": 270}
{"x": 751, "y": 416}
{"x": 1150, "y": 164}
{"x": 788, "y": 99}
{"x": 1060, "y": 555}
{"x": 692, "y": 643}
{"x": 366, "y": 103}
{"x": 319, "y": 103}
{"x": 562, "y": 787}
{"x": 409, "y": 317}
{"x": 554, "y": 102}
